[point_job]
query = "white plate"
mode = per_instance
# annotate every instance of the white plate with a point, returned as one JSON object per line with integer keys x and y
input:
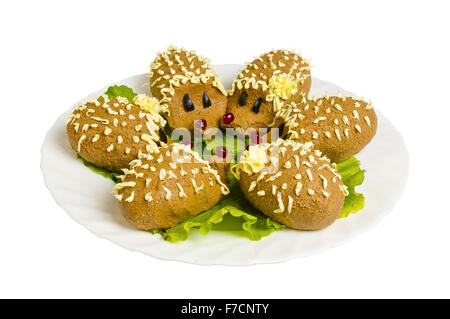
{"x": 86, "y": 197}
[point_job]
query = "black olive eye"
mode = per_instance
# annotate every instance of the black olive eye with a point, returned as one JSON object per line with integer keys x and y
{"x": 257, "y": 105}
{"x": 187, "y": 103}
{"x": 162, "y": 135}
{"x": 281, "y": 128}
{"x": 243, "y": 99}
{"x": 206, "y": 100}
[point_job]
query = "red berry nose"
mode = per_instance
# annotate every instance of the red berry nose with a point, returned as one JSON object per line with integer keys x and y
{"x": 201, "y": 124}
{"x": 228, "y": 118}
{"x": 221, "y": 151}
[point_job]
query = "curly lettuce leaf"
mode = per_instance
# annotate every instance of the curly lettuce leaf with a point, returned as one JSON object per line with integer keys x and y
{"x": 234, "y": 214}
{"x": 354, "y": 202}
{"x": 352, "y": 176}
{"x": 105, "y": 173}
{"x": 122, "y": 91}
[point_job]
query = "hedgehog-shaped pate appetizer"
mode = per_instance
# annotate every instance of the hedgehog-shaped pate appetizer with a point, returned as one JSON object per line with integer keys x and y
{"x": 110, "y": 132}
{"x": 339, "y": 126}
{"x": 266, "y": 86}
{"x": 167, "y": 186}
{"x": 186, "y": 84}
{"x": 291, "y": 183}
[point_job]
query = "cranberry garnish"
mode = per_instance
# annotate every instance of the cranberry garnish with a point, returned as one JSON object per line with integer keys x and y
{"x": 221, "y": 151}
{"x": 228, "y": 118}
{"x": 201, "y": 124}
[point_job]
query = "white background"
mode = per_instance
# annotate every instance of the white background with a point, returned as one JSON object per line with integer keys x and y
{"x": 54, "y": 53}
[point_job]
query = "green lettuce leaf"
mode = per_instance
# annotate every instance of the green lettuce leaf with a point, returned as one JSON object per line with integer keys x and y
{"x": 352, "y": 176}
{"x": 234, "y": 214}
{"x": 354, "y": 202}
{"x": 122, "y": 91}
{"x": 105, "y": 173}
